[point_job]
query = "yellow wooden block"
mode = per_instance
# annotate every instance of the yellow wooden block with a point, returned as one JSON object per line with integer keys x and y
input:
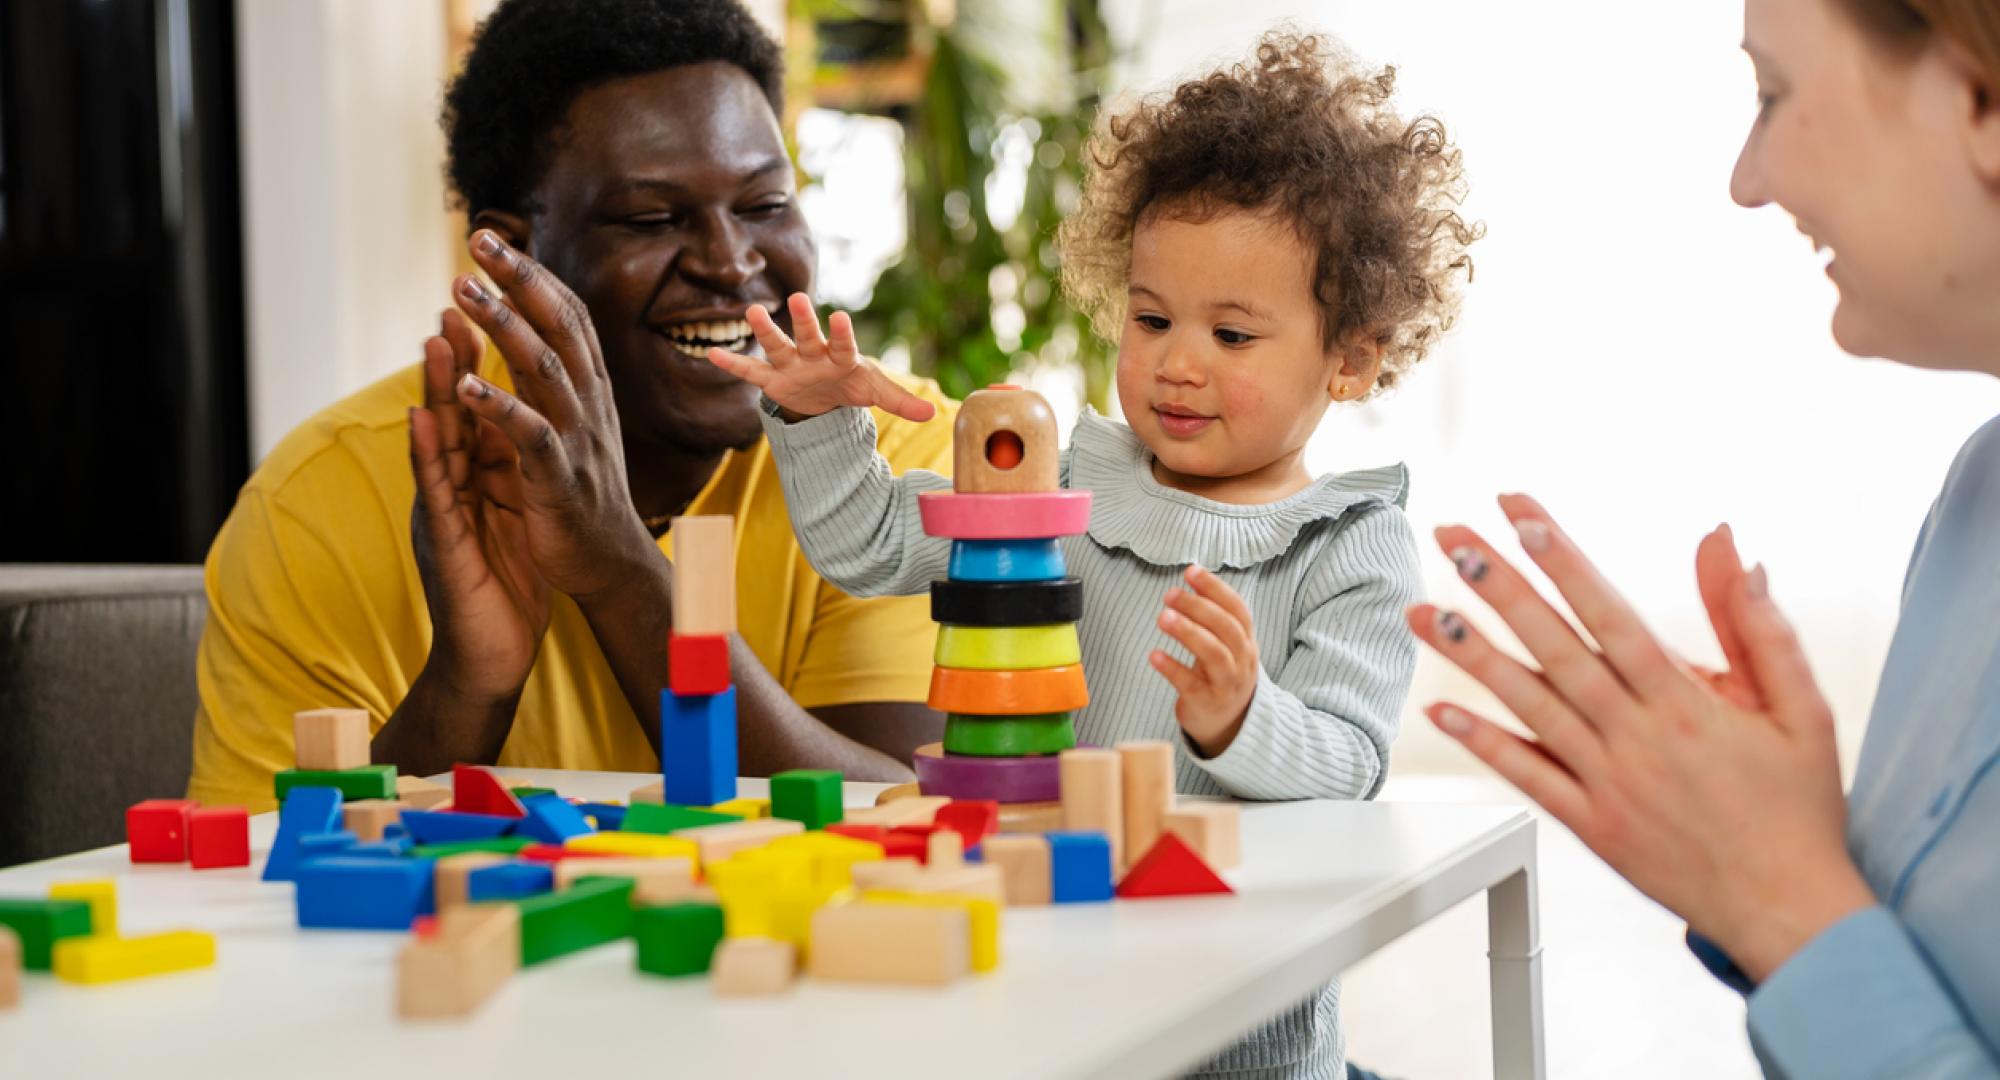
{"x": 744, "y": 887}
{"x": 792, "y": 912}
{"x": 833, "y": 856}
{"x": 747, "y": 809}
{"x": 92, "y": 960}
{"x": 982, "y": 915}
{"x": 663, "y": 873}
{"x": 101, "y": 895}
{"x": 634, "y": 845}
{"x": 788, "y": 867}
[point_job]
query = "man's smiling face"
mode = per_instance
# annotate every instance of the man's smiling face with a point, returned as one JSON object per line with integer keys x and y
{"x": 669, "y": 206}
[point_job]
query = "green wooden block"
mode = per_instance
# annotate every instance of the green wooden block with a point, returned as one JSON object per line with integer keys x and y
{"x": 808, "y": 796}
{"x": 1008, "y": 736}
{"x": 589, "y": 913}
{"x": 501, "y": 845}
{"x": 677, "y": 939}
{"x": 42, "y": 923}
{"x": 524, "y": 792}
{"x": 366, "y": 782}
{"x": 659, "y": 819}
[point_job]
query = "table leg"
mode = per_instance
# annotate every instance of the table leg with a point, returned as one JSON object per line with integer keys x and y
{"x": 1514, "y": 950}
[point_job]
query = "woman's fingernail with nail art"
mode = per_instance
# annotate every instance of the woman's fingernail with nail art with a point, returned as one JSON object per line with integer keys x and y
{"x": 1451, "y": 626}
{"x": 1471, "y": 564}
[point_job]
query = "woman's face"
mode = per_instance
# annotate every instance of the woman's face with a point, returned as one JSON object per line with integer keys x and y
{"x": 1879, "y": 158}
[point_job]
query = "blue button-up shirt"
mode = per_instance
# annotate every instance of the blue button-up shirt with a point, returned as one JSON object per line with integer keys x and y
{"x": 1911, "y": 987}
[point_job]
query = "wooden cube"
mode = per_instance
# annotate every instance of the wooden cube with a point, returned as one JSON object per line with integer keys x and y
{"x": 753, "y": 967}
{"x": 1093, "y": 797}
{"x": 366, "y": 818}
{"x": 475, "y": 950}
{"x": 1024, "y": 867}
{"x": 1212, "y": 829}
{"x": 330, "y": 739}
{"x": 1031, "y": 817}
{"x": 892, "y": 943}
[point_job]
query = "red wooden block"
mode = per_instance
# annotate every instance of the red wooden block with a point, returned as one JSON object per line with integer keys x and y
{"x": 475, "y": 790}
{"x": 1171, "y": 868}
{"x": 973, "y": 819}
{"x": 899, "y": 844}
{"x": 218, "y": 836}
{"x": 698, "y": 663}
{"x": 551, "y": 853}
{"x": 874, "y": 834}
{"x": 157, "y": 830}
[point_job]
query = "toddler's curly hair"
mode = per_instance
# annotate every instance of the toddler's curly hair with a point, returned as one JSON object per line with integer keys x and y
{"x": 1307, "y": 134}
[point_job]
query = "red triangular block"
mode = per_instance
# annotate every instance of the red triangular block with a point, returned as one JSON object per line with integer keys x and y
{"x": 475, "y": 790}
{"x": 1171, "y": 868}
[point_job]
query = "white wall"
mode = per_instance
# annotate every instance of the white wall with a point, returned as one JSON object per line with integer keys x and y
{"x": 347, "y": 257}
{"x": 1637, "y": 351}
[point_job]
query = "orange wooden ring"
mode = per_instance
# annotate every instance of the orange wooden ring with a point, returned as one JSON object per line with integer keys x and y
{"x": 1009, "y": 693}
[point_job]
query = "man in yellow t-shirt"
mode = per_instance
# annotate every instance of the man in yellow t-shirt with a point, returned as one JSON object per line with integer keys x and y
{"x": 474, "y": 550}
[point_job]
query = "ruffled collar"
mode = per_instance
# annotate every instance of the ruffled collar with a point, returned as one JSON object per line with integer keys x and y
{"x": 1167, "y": 527}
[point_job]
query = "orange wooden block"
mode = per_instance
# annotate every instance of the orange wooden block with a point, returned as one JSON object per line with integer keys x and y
{"x": 475, "y": 949}
{"x": 1092, "y": 796}
{"x": 330, "y": 739}
{"x": 1004, "y": 441}
{"x": 1146, "y": 778}
{"x": 892, "y": 943}
{"x": 1212, "y": 829}
{"x": 366, "y": 818}
{"x": 1024, "y": 867}
{"x": 753, "y": 967}
{"x": 1009, "y": 693}
{"x": 420, "y": 794}
{"x": 704, "y": 574}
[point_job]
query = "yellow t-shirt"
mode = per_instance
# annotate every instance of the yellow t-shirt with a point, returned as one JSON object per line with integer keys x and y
{"x": 314, "y": 602}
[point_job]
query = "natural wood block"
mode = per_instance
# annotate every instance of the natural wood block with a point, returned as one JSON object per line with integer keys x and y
{"x": 915, "y": 810}
{"x": 898, "y": 791}
{"x": 654, "y": 792}
{"x": 476, "y": 949}
{"x": 1031, "y": 817}
{"x": 1146, "y": 778}
{"x": 718, "y": 842}
{"x": 885, "y": 873}
{"x": 944, "y": 850}
{"x": 10, "y": 968}
{"x": 1092, "y": 796}
{"x": 970, "y": 879}
{"x": 330, "y": 739}
{"x": 449, "y": 878}
{"x": 1004, "y": 441}
{"x": 674, "y": 877}
{"x": 366, "y": 818}
{"x": 1023, "y": 862}
{"x": 418, "y": 793}
{"x": 1212, "y": 829}
{"x": 704, "y": 574}
{"x": 892, "y": 943}
{"x": 753, "y": 967}
{"x": 982, "y": 921}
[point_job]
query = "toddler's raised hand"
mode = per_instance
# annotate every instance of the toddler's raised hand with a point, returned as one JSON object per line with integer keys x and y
{"x": 1214, "y": 624}
{"x": 814, "y": 374}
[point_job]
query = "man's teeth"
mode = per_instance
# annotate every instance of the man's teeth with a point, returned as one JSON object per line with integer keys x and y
{"x": 695, "y": 339}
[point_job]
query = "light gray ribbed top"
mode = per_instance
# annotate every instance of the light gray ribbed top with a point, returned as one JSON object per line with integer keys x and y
{"x": 1327, "y": 574}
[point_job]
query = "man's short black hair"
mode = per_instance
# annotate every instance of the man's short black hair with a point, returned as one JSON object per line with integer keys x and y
{"x": 531, "y": 58}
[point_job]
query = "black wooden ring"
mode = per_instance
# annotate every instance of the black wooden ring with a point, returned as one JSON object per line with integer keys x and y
{"x": 1006, "y": 603}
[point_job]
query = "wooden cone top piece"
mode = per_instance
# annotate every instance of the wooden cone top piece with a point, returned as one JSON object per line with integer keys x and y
{"x": 704, "y": 574}
{"x": 1171, "y": 868}
{"x": 330, "y": 739}
{"x": 1093, "y": 796}
{"x": 1147, "y": 779}
{"x": 1025, "y": 515}
{"x": 1009, "y": 693}
{"x": 1004, "y": 441}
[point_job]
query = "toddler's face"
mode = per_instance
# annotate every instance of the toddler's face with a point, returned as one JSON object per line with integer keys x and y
{"x": 1220, "y": 366}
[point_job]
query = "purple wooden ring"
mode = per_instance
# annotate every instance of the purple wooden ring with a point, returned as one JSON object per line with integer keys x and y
{"x": 1032, "y": 515}
{"x": 1002, "y": 779}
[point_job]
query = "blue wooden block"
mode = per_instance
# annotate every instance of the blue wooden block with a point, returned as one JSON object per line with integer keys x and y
{"x": 319, "y": 845}
{"x": 609, "y": 818}
{"x": 344, "y": 892}
{"x": 384, "y": 848}
{"x": 551, "y": 819}
{"x": 395, "y": 830}
{"x": 509, "y": 881}
{"x": 445, "y": 826}
{"x": 308, "y": 811}
{"x": 1006, "y": 560}
{"x": 1079, "y": 867}
{"x": 698, "y": 747}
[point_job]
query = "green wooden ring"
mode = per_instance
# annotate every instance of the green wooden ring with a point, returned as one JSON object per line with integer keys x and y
{"x": 1007, "y": 648}
{"x": 1008, "y": 736}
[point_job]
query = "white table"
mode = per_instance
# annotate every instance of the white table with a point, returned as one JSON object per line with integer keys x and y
{"x": 1125, "y": 989}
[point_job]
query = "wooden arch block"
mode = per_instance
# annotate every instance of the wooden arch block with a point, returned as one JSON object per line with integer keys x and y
{"x": 1004, "y": 441}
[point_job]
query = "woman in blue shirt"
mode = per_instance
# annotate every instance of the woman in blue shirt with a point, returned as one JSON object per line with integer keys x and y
{"x": 1866, "y": 927}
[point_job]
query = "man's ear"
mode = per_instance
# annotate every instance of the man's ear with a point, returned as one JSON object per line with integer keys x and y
{"x": 1359, "y": 363}
{"x": 1980, "y": 97}
{"x": 512, "y": 228}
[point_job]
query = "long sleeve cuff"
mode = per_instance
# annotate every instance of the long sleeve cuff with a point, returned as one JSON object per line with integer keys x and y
{"x": 1859, "y": 1002}
{"x": 1719, "y": 963}
{"x": 1285, "y": 750}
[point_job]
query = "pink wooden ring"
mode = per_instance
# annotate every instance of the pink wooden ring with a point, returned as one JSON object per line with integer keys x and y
{"x": 1034, "y": 515}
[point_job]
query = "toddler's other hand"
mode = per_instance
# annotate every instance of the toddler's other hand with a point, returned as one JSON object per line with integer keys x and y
{"x": 1213, "y": 623}
{"x": 815, "y": 375}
